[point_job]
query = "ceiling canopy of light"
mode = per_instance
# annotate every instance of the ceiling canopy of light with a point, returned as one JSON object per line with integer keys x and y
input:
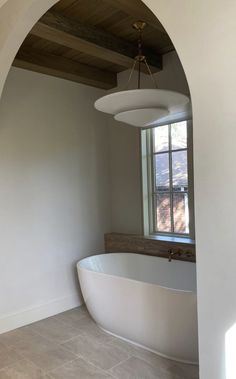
{"x": 145, "y": 107}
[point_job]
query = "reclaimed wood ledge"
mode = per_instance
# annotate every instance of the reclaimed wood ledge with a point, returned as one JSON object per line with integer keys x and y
{"x": 134, "y": 243}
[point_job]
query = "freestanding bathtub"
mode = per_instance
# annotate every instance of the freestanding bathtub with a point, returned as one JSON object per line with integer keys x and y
{"x": 145, "y": 300}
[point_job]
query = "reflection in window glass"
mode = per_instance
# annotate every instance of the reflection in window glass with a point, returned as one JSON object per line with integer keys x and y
{"x": 161, "y": 139}
{"x": 163, "y": 215}
{"x": 180, "y": 170}
{"x": 179, "y": 136}
{"x": 161, "y": 163}
{"x": 181, "y": 213}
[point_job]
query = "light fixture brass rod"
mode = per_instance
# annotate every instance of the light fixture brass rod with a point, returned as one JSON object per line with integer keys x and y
{"x": 140, "y": 58}
{"x": 131, "y": 73}
{"x": 150, "y": 73}
{"x": 140, "y": 55}
{"x": 139, "y": 73}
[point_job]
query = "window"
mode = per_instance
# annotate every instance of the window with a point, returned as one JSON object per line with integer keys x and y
{"x": 168, "y": 180}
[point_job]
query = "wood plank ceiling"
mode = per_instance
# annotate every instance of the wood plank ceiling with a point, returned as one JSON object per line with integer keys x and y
{"x": 90, "y": 41}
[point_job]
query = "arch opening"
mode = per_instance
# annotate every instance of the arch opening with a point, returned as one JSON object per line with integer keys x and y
{"x": 32, "y": 13}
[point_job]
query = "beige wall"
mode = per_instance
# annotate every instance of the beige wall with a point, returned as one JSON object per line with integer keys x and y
{"x": 54, "y": 193}
{"x": 126, "y": 205}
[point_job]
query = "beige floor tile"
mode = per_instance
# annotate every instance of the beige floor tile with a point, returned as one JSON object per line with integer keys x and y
{"x": 55, "y": 344}
{"x": 166, "y": 368}
{"x": 103, "y": 356}
{"x": 54, "y": 330}
{"x": 186, "y": 371}
{"x": 72, "y": 316}
{"x": 85, "y": 322}
{"x": 87, "y": 326}
{"x": 15, "y": 336}
{"x": 135, "y": 368}
{"x": 34, "y": 343}
{"x": 8, "y": 356}
{"x": 51, "y": 359}
{"x": 2, "y": 347}
{"x": 152, "y": 358}
{"x": 97, "y": 334}
{"x": 22, "y": 370}
{"x": 79, "y": 369}
{"x": 125, "y": 346}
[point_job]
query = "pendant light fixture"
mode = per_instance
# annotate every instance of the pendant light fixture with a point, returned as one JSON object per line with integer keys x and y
{"x": 144, "y": 107}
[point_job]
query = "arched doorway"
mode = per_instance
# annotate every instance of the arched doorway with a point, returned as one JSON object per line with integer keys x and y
{"x": 201, "y": 31}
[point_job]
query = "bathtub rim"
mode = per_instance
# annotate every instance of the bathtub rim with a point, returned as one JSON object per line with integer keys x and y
{"x": 176, "y": 290}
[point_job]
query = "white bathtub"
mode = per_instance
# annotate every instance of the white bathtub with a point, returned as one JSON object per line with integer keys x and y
{"x": 143, "y": 299}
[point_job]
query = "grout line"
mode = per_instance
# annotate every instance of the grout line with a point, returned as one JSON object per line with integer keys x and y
{"x": 48, "y": 375}
{"x": 86, "y": 359}
{"x": 60, "y": 366}
{"x": 12, "y": 364}
{"x": 86, "y": 333}
{"x": 48, "y": 338}
{"x": 92, "y": 364}
{"x": 34, "y": 364}
{"x": 121, "y": 362}
{"x": 70, "y": 339}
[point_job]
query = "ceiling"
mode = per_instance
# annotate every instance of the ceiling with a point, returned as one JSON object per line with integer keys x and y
{"x": 90, "y": 41}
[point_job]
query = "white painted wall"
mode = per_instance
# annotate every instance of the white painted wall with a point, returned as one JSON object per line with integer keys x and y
{"x": 17, "y": 17}
{"x": 125, "y": 150}
{"x": 204, "y": 32}
{"x": 54, "y": 192}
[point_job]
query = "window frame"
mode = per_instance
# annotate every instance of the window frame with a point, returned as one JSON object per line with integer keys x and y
{"x": 148, "y": 179}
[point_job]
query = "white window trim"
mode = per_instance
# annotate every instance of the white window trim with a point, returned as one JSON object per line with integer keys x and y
{"x": 147, "y": 183}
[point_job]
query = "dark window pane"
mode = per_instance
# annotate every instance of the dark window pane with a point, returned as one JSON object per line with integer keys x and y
{"x": 161, "y": 139}
{"x": 163, "y": 218}
{"x": 179, "y": 135}
{"x": 161, "y": 163}
{"x": 180, "y": 170}
{"x": 181, "y": 213}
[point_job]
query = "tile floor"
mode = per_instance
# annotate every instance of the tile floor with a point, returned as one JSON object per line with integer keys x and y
{"x": 70, "y": 345}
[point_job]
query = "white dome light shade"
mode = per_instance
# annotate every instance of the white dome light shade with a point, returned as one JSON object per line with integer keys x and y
{"x": 142, "y": 118}
{"x": 122, "y": 101}
{"x": 143, "y": 107}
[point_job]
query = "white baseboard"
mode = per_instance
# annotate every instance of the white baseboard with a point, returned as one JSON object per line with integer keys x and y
{"x": 29, "y": 315}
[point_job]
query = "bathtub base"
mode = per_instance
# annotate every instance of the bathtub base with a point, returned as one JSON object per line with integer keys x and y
{"x": 158, "y": 318}
{"x": 148, "y": 349}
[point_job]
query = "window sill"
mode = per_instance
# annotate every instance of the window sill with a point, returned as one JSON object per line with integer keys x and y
{"x": 171, "y": 239}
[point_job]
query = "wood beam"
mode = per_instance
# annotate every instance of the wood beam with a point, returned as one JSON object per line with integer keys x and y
{"x": 65, "y": 68}
{"x": 91, "y": 40}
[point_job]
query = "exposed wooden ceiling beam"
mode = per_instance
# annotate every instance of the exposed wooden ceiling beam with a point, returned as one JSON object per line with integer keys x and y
{"x": 91, "y": 40}
{"x": 65, "y": 68}
{"x": 136, "y": 9}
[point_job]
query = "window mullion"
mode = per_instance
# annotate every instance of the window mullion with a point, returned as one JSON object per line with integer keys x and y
{"x": 153, "y": 184}
{"x": 171, "y": 181}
